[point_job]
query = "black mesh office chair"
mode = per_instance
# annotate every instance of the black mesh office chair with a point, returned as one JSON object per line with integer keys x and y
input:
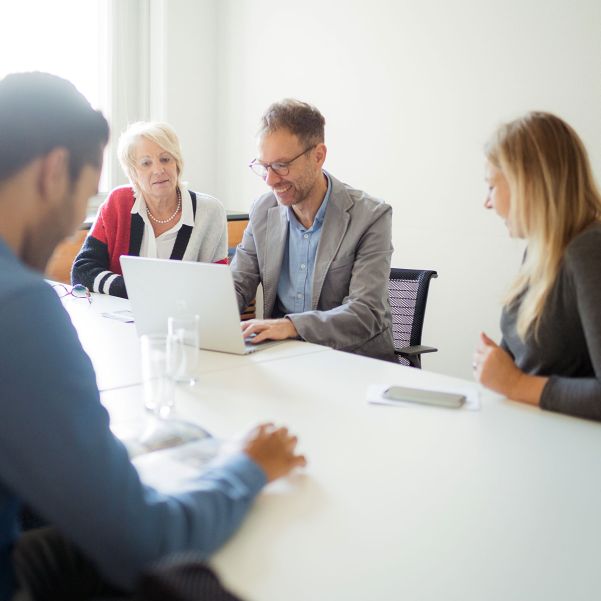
{"x": 182, "y": 577}
{"x": 51, "y": 568}
{"x": 408, "y": 292}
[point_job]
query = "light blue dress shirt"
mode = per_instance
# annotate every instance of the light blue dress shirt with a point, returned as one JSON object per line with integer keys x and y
{"x": 59, "y": 455}
{"x": 295, "y": 286}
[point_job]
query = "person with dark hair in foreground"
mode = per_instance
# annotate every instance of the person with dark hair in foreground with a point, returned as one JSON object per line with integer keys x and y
{"x": 58, "y": 454}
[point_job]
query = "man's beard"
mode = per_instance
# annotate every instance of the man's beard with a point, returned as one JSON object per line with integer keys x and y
{"x": 39, "y": 242}
{"x": 303, "y": 190}
{"x": 37, "y": 249}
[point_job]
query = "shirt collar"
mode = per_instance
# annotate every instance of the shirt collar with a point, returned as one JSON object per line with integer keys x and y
{"x": 187, "y": 212}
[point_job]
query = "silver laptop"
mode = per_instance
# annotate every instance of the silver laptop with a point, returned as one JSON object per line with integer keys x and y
{"x": 160, "y": 288}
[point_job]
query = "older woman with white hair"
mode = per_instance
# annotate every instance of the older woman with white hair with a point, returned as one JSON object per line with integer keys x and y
{"x": 154, "y": 216}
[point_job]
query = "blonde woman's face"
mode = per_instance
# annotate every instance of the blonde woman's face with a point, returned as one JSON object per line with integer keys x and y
{"x": 497, "y": 197}
{"x": 156, "y": 170}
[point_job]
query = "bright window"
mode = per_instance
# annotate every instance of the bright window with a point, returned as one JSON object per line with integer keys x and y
{"x": 68, "y": 38}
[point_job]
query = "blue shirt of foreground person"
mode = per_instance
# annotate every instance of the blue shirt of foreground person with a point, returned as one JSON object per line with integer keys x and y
{"x": 57, "y": 452}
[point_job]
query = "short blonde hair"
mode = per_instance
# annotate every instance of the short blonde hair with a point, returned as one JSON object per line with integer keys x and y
{"x": 553, "y": 197}
{"x": 159, "y": 133}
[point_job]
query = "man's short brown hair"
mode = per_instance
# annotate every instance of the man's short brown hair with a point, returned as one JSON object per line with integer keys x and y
{"x": 300, "y": 118}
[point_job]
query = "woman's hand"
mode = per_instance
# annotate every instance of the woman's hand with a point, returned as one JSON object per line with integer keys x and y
{"x": 495, "y": 369}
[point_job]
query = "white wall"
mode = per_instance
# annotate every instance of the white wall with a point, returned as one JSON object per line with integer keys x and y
{"x": 183, "y": 76}
{"x": 410, "y": 92}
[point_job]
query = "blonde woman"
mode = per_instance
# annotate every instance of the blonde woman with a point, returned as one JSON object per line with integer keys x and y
{"x": 154, "y": 216}
{"x": 540, "y": 183}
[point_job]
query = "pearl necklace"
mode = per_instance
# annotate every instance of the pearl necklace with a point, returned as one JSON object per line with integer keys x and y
{"x": 163, "y": 221}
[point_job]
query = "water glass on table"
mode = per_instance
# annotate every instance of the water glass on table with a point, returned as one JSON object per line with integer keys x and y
{"x": 161, "y": 360}
{"x": 183, "y": 334}
{"x": 165, "y": 358}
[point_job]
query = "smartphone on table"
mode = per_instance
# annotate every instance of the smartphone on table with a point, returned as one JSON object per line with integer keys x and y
{"x": 451, "y": 400}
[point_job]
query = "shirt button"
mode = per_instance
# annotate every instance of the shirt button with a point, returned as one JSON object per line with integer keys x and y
{"x": 306, "y": 236}
{"x": 299, "y": 296}
{"x": 303, "y": 265}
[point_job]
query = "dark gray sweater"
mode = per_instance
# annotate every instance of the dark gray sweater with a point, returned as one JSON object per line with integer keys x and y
{"x": 568, "y": 345}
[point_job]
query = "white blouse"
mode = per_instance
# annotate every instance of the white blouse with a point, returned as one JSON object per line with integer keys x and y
{"x": 161, "y": 247}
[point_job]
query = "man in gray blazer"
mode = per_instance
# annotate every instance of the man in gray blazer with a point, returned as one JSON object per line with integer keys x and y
{"x": 320, "y": 248}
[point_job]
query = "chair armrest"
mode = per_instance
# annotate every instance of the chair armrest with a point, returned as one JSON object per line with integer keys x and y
{"x": 414, "y": 353}
{"x": 418, "y": 349}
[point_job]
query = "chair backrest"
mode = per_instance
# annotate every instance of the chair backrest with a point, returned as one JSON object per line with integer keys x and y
{"x": 408, "y": 292}
{"x": 181, "y": 577}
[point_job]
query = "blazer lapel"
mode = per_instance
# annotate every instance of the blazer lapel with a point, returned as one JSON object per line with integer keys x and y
{"x": 333, "y": 231}
{"x": 276, "y": 239}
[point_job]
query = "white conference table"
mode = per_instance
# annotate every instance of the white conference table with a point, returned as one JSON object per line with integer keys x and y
{"x": 114, "y": 346}
{"x": 406, "y": 502}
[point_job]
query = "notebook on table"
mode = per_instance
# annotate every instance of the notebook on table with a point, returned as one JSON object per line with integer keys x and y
{"x": 162, "y": 288}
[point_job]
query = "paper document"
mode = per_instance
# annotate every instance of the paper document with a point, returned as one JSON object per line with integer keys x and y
{"x": 174, "y": 469}
{"x": 166, "y": 452}
{"x": 124, "y": 315}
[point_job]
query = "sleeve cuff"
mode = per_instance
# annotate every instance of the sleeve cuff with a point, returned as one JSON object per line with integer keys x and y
{"x": 546, "y": 397}
{"x": 293, "y": 317}
{"x": 245, "y": 471}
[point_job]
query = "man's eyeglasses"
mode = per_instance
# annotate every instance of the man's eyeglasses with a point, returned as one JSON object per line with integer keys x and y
{"x": 279, "y": 167}
{"x": 78, "y": 291}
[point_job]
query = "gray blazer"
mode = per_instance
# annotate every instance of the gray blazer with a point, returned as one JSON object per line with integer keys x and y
{"x": 350, "y": 305}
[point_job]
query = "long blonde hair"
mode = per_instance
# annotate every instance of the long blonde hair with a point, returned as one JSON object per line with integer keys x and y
{"x": 553, "y": 197}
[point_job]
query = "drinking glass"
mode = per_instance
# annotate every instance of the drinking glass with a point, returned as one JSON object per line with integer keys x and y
{"x": 183, "y": 334}
{"x": 161, "y": 361}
